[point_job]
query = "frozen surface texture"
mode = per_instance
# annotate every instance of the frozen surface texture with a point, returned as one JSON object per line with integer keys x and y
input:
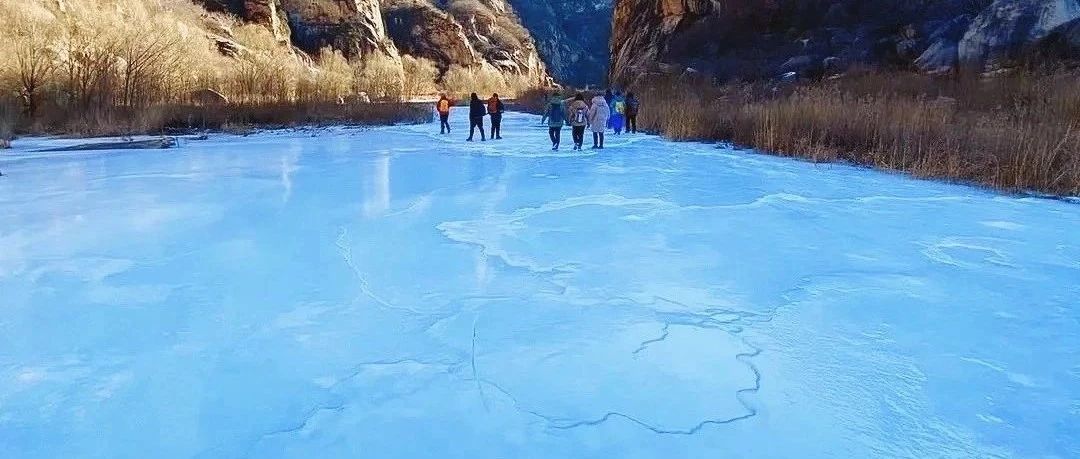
{"x": 393, "y": 293}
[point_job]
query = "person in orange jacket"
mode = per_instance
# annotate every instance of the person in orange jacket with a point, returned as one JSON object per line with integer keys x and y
{"x": 495, "y": 109}
{"x": 443, "y": 107}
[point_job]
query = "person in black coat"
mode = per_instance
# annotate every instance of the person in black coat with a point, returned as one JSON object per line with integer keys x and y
{"x": 632, "y": 107}
{"x": 477, "y": 111}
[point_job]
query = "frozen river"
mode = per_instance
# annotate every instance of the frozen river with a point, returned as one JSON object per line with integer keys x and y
{"x": 394, "y": 293}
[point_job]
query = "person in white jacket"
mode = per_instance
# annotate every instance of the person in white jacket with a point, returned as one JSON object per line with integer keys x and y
{"x": 599, "y": 112}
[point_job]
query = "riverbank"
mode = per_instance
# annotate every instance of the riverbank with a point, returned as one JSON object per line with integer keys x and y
{"x": 235, "y": 118}
{"x": 1015, "y": 132}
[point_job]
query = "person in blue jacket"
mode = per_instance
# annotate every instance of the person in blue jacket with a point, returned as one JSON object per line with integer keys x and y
{"x": 618, "y": 112}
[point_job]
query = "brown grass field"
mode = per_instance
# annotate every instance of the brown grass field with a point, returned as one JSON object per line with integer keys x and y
{"x": 1017, "y": 132}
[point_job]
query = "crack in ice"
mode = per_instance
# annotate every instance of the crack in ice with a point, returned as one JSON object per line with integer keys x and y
{"x": 645, "y": 344}
{"x": 365, "y": 288}
{"x": 305, "y": 420}
{"x": 353, "y": 373}
{"x": 472, "y": 361}
{"x": 741, "y": 395}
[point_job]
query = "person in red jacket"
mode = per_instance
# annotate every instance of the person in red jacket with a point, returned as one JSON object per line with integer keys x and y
{"x": 495, "y": 109}
{"x": 443, "y": 107}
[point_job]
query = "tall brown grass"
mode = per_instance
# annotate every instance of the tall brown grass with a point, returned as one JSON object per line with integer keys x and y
{"x": 535, "y": 101}
{"x": 484, "y": 80}
{"x": 419, "y": 76}
{"x": 90, "y": 67}
{"x": 242, "y": 117}
{"x": 286, "y": 114}
{"x": 1018, "y": 132}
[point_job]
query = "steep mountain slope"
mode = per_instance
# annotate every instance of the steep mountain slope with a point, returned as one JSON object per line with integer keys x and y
{"x": 483, "y": 37}
{"x": 763, "y": 39}
{"x": 267, "y": 12}
{"x": 466, "y": 33}
{"x": 573, "y": 36}
{"x": 353, "y": 27}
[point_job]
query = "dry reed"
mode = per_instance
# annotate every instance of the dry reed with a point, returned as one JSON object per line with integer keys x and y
{"x": 1017, "y": 132}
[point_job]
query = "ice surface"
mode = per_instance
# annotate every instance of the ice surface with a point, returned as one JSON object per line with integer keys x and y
{"x": 393, "y": 293}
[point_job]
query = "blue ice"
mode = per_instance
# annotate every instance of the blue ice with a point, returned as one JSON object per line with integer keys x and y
{"x": 394, "y": 293}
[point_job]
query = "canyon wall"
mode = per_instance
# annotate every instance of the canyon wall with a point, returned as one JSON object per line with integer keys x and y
{"x": 758, "y": 39}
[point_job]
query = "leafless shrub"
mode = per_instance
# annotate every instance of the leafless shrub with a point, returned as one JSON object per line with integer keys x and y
{"x": 379, "y": 78}
{"x": 461, "y": 81}
{"x": 330, "y": 80}
{"x": 148, "y": 58}
{"x": 419, "y": 76}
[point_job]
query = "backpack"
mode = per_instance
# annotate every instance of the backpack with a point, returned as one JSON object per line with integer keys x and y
{"x": 581, "y": 115}
{"x": 620, "y": 107}
{"x": 493, "y": 106}
{"x": 444, "y": 106}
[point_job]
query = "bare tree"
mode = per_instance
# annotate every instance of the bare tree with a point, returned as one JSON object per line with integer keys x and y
{"x": 89, "y": 66}
{"x": 147, "y": 57}
{"x": 34, "y": 61}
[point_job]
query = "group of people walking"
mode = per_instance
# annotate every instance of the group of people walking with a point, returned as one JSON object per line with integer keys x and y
{"x": 477, "y": 110}
{"x": 598, "y": 114}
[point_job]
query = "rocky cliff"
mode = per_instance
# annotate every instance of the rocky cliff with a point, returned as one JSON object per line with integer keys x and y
{"x": 754, "y": 39}
{"x": 474, "y": 34}
{"x": 572, "y": 35}
{"x": 354, "y": 27}
{"x": 267, "y": 12}
{"x": 466, "y": 33}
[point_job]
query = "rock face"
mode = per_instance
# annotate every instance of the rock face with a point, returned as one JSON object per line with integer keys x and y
{"x": 267, "y": 12}
{"x": 354, "y": 27}
{"x": 1003, "y": 31}
{"x": 466, "y": 33}
{"x": 420, "y": 29}
{"x": 943, "y": 53}
{"x": 646, "y": 34}
{"x": 573, "y": 36}
{"x": 755, "y": 39}
{"x": 483, "y": 34}
{"x": 1063, "y": 42}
